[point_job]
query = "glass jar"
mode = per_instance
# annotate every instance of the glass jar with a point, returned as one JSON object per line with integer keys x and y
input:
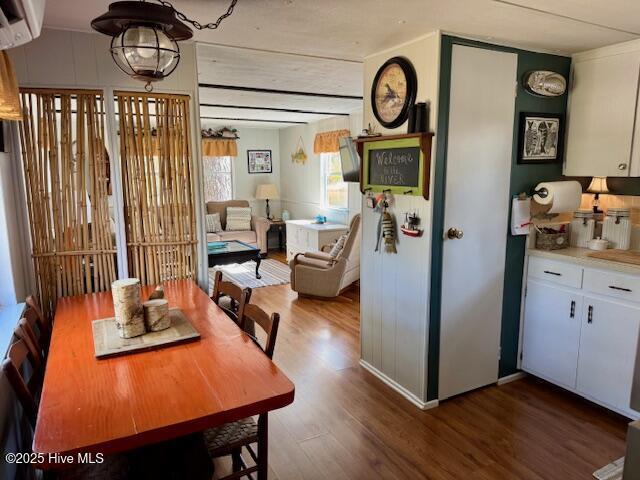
{"x": 582, "y": 228}
{"x": 617, "y": 228}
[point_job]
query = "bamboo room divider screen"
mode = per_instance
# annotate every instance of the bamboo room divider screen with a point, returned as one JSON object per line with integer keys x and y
{"x": 66, "y": 170}
{"x": 155, "y": 154}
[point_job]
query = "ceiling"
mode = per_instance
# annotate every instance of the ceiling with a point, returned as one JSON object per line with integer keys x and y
{"x": 317, "y": 46}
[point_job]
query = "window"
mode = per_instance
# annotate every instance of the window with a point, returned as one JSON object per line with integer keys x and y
{"x": 335, "y": 192}
{"x": 218, "y": 179}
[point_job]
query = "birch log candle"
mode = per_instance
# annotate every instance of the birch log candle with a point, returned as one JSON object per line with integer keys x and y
{"x": 129, "y": 314}
{"x": 156, "y": 314}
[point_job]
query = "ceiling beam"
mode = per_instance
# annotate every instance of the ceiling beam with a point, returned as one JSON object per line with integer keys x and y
{"x": 277, "y": 92}
{"x": 274, "y": 109}
{"x": 252, "y": 120}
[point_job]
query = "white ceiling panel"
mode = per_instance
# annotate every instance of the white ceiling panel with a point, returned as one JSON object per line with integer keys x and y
{"x": 355, "y": 28}
{"x": 259, "y": 114}
{"x": 259, "y": 69}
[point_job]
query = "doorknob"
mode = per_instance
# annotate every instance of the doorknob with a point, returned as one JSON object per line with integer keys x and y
{"x": 455, "y": 233}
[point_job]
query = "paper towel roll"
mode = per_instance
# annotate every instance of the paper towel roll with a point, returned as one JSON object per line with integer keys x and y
{"x": 562, "y": 196}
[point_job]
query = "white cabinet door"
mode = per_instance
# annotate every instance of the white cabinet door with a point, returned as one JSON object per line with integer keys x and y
{"x": 601, "y": 114}
{"x": 551, "y": 333}
{"x": 607, "y": 351}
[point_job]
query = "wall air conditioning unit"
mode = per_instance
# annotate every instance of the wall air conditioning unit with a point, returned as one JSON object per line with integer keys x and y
{"x": 20, "y": 21}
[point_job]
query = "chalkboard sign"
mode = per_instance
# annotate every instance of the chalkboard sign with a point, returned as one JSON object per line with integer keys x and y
{"x": 398, "y": 164}
{"x": 395, "y": 167}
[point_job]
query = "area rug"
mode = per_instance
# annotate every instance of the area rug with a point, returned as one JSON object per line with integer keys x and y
{"x": 613, "y": 471}
{"x": 272, "y": 272}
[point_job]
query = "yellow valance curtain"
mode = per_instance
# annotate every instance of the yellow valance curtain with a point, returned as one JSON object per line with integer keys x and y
{"x": 219, "y": 147}
{"x": 327, "y": 142}
{"x": 9, "y": 96}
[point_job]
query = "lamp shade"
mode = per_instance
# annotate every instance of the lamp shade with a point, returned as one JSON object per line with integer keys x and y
{"x": 598, "y": 185}
{"x": 267, "y": 191}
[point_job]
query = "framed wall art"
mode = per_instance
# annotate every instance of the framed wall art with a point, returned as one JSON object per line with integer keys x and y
{"x": 540, "y": 137}
{"x": 259, "y": 161}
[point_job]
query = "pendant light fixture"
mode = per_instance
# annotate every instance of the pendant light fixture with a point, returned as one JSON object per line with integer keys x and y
{"x": 145, "y": 36}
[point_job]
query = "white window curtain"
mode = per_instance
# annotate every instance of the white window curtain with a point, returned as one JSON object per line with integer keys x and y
{"x": 218, "y": 178}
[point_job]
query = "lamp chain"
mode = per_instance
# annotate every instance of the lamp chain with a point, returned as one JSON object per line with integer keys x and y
{"x": 197, "y": 25}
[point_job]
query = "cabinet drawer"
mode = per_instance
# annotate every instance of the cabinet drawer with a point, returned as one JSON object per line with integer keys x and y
{"x": 562, "y": 273}
{"x": 613, "y": 284}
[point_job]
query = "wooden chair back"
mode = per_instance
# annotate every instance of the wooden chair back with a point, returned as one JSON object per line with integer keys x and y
{"x": 24, "y": 332}
{"x": 38, "y": 322}
{"x": 237, "y": 295}
{"x": 269, "y": 324}
{"x": 12, "y": 366}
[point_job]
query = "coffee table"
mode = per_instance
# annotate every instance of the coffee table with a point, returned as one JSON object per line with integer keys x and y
{"x": 233, "y": 251}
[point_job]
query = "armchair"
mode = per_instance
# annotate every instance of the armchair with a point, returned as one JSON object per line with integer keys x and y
{"x": 319, "y": 274}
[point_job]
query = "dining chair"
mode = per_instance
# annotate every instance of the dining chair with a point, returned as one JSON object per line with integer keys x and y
{"x": 27, "y": 328}
{"x": 114, "y": 467}
{"x": 230, "y": 438}
{"x": 38, "y": 321}
{"x": 24, "y": 332}
{"x": 229, "y": 296}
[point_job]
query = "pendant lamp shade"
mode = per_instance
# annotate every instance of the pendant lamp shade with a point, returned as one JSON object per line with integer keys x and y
{"x": 9, "y": 94}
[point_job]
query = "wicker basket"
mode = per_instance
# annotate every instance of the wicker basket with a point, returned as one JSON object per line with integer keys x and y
{"x": 552, "y": 241}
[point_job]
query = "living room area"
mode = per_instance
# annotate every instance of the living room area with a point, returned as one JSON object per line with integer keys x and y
{"x": 272, "y": 171}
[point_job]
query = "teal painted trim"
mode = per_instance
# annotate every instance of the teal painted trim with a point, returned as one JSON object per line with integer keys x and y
{"x": 437, "y": 226}
{"x": 523, "y": 178}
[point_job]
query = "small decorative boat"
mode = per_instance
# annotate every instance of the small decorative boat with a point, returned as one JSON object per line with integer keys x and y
{"x": 410, "y": 226}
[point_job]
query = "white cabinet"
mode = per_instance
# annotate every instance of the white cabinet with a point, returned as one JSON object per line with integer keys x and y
{"x": 601, "y": 114}
{"x": 607, "y": 351}
{"x": 551, "y": 333}
{"x": 307, "y": 236}
{"x": 582, "y": 338}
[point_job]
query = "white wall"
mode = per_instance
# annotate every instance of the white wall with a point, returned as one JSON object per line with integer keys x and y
{"x": 244, "y": 183}
{"x": 300, "y": 191}
{"x": 68, "y": 59}
{"x": 394, "y": 289}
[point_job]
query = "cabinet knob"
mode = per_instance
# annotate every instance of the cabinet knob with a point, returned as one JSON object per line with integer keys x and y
{"x": 590, "y": 315}
{"x": 572, "y": 314}
{"x": 622, "y": 166}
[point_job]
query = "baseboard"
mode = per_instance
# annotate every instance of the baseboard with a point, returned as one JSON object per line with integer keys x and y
{"x": 398, "y": 388}
{"x": 511, "y": 378}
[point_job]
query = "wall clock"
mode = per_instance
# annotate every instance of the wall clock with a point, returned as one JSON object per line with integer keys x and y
{"x": 394, "y": 92}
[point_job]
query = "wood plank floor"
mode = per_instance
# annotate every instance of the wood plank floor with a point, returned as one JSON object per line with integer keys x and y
{"x": 346, "y": 424}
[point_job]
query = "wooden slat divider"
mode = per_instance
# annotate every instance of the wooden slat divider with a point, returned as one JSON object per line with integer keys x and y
{"x": 158, "y": 190}
{"x": 66, "y": 177}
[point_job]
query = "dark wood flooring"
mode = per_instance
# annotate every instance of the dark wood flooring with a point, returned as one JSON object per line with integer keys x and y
{"x": 346, "y": 424}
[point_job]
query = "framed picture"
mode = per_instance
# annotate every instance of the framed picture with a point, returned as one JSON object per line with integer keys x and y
{"x": 393, "y": 92}
{"x": 259, "y": 161}
{"x": 540, "y": 137}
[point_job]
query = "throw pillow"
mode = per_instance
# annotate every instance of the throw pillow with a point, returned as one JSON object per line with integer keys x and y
{"x": 238, "y": 218}
{"x": 338, "y": 246}
{"x": 213, "y": 223}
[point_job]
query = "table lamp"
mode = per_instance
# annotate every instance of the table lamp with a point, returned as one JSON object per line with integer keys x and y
{"x": 598, "y": 185}
{"x": 267, "y": 191}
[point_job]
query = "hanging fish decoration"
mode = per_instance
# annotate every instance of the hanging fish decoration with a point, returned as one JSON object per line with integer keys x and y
{"x": 388, "y": 232}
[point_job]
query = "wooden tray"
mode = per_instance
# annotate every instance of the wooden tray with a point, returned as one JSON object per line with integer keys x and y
{"x": 622, "y": 256}
{"x": 107, "y": 342}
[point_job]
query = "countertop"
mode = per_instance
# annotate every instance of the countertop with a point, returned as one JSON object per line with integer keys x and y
{"x": 581, "y": 256}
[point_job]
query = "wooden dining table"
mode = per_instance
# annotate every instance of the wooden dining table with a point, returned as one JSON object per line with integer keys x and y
{"x": 115, "y": 404}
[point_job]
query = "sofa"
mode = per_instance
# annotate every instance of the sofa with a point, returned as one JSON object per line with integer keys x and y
{"x": 318, "y": 274}
{"x": 257, "y": 236}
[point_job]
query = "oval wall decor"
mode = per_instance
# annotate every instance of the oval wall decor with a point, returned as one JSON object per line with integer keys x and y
{"x": 544, "y": 83}
{"x": 394, "y": 92}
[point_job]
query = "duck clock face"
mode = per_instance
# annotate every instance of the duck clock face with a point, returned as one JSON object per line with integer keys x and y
{"x": 393, "y": 92}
